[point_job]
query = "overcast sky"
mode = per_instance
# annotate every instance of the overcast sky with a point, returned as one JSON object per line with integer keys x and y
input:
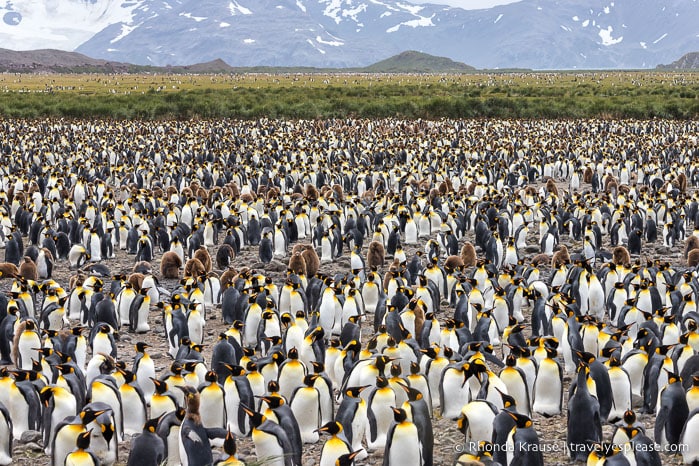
{"x": 468, "y": 4}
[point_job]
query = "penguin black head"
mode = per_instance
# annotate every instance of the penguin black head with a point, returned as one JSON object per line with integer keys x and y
{"x": 629, "y": 417}
{"x": 347, "y": 459}
{"x": 272, "y": 386}
{"x": 87, "y": 415}
{"x": 310, "y": 379}
{"x": 318, "y": 367}
{"x": 160, "y": 386}
{"x": 141, "y": 347}
{"x": 414, "y": 368}
{"x": 673, "y": 377}
{"x": 521, "y": 421}
{"x": 507, "y": 400}
{"x": 256, "y": 419}
{"x": 399, "y": 415}
{"x": 332, "y": 428}
{"x": 354, "y": 392}
{"x": 83, "y": 440}
{"x": 413, "y": 393}
{"x": 293, "y": 353}
{"x": 229, "y": 444}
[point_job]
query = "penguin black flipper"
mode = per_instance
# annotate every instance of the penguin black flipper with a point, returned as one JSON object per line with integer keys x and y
{"x": 195, "y": 442}
{"x": 31, "y": 396}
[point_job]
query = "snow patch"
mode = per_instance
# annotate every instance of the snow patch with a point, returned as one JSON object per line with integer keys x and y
{"x": 606, "y": 10}
{"x": 301, "y": 6}
{"x": 385, "y": 13}
{"x": 223, "y": 24}
{"x": 565, "y": 28}
{"x": 125, "y": 31}
{"x": 249, "y": 41}
{"x": 334, "y": 43}
{"x": 606, "y": 36}
{"x": 576, "y": 19}
{"x": 412, "y": 9}
{"x": 643, "y": 45}
{"x": 198, "y": 19}
{"x": 586, "y": 23}
{"x": 315, "y": 47}
{"x": 660, "y": 38}
{"x": 498, "y": 18}
{"x": 235, "y": 8}
{"x": 415, "y": 23}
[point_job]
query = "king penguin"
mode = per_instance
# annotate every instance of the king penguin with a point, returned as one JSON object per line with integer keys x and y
{"x": 5, "y": 436}
{"x": 147, "y": 448}
{"x": 82, "y": 455}
{"x": 195, "y": 448}
{"x": 522, "y": 444}
{"x": 584, "y": 423}
{"x": 403, "y": 445}
{"x": 271, "y": 442}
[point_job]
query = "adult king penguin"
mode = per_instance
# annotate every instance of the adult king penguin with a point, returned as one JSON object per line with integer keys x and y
{"x": 403, "y": 446}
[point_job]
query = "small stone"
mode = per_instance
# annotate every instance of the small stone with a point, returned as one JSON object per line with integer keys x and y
{"x": 30, "y": 436}
{"x": 309, "y": 462}
{"x": 156, "y": 355}
{"x": 158, "y": 321}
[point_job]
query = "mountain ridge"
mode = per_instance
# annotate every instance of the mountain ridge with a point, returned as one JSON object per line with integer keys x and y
{"x": 59, "y": 61}
{"x": 529, "y": 34}
{"x": 688, "y": 61}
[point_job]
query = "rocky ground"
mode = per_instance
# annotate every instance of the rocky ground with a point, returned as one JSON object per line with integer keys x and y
{"x": 448, "y": 440}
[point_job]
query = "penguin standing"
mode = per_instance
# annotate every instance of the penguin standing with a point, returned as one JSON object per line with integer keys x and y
{"x": 82, "y": 455}
{"x": 690, "y": 432}
{"x": 5, "y": 436}
{"x": 195, "y": 448}
{"x": 522, "y": 444}
{"x": 168, "y": 430}
{"x": 403, "y": 445}
{"x": 672, "y": 413}
{"x": 334, "y": 447}
{"x": 144, "y": 369}
{"x": 584, "y": 423}
{"x": 147, "y": 448}
{"x": 380, "y": 403}
{"x": 548, "y": 387}
{"x": 266, "y": 249}
{"x": 229, "y": 448}
{"x": 271, "y": 442}
{"x": 67, "y": 433}
{"x": 352, "y": 414}
{"x": 305, "y": 404}
{"x": 135, "y": 402}
{"x": 419, "y": 414}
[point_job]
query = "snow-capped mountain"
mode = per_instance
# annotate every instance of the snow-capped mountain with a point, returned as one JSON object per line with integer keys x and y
{"x": 539, "y": 34}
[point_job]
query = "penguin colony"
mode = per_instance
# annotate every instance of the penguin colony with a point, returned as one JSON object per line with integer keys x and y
{"x": 404, "y": 274}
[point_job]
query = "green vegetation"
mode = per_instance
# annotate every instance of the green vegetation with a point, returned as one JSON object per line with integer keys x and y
{"x": 505, "y": 95}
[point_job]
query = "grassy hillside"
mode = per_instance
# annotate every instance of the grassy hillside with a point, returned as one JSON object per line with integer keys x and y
{"x": 418, "y": 62}
{"x": 339, "y": 95}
